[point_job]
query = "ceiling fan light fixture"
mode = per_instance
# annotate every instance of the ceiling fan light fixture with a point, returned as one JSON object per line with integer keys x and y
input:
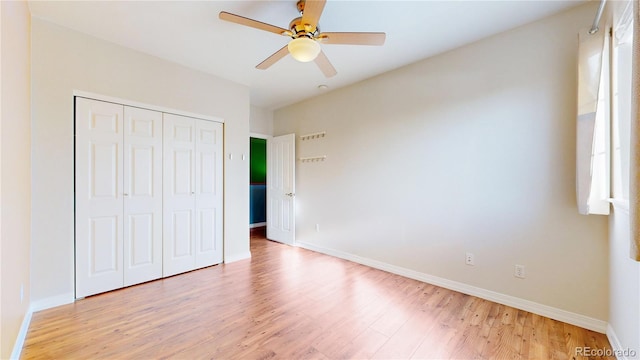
{"x": 304, "y": 49}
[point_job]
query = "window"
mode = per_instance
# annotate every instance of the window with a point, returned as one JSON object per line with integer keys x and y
{"x": 621, "y": 60}
{"x": 592, "y": 147}
{"x": 604, "y": 117}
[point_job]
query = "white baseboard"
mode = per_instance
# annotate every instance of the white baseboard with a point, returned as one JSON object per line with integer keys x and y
{"x": 518, "y": 303}
{"x": 615, "y": 342}
{"x": 36, "y": 306}
{"x": 22, "y": 335}
{"x": 51, "y": 302}
{"x": 234, "y": 258}
{"x": 257, "y": 225}
{"x": 620, "y": 351}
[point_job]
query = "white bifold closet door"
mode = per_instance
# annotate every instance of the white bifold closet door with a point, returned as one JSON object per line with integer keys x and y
{"x": 142, "y": 195}
{"x": 118, "y": 196}
{"x": 192, "y": 194}
{"x": 99, "y": 206}
{"x": 148, "y": 195}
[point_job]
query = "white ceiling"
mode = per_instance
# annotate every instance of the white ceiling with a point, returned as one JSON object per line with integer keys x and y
{"x": 190, "y": 33}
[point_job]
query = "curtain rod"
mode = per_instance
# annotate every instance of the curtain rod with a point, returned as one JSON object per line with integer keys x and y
{"x": 596, "y": 21}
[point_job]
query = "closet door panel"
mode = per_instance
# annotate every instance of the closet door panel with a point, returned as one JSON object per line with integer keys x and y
{"x": 208, "y": 204}
{"x": 142, "y": 195}
{"x": 179, "y": 194}
{"x": 99, "y": 205}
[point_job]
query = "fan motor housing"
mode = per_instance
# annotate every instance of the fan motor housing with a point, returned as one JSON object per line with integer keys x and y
{"x": 299, "y": 29}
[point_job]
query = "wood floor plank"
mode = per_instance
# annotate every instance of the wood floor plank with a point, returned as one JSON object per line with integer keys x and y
{"x": 364, "y": 346}
{"x": 469, "y": 344}
{"x": 502, "y": 336}
{"x": 290, "y": 303}
{"x": 407, "y": 339}
{"x": 438, "y": 344}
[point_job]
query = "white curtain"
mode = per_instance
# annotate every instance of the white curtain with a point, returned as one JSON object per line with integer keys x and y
{"x": 592, "y": 184}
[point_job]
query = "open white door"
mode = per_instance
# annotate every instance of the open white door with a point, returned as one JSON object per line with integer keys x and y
{"x": 281, "y": 188}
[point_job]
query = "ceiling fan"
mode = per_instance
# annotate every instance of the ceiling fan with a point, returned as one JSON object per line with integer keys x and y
{"x": 306, "y": 36}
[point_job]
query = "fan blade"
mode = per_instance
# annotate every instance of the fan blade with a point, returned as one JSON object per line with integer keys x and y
{"x": 311, "y": 13}
{"x": 325, "y": 65}
{"x": 253, "y": 23}
{"x": 352, "y": 38}
{"x": 273, "y": 58}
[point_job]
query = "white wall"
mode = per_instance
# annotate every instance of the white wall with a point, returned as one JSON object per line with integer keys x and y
{"x": 15, "y": 170}
{"x": 261, "y": 121}
{"x": 471, "y": 150}
{"x": 63, "y": 61}
{"x": 624, "y": 290}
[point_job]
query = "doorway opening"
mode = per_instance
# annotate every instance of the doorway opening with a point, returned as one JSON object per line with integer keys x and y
{"x": 257, "y": 185}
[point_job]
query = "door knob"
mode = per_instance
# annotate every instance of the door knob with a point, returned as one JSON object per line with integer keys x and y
{"x": 290, "y": 194}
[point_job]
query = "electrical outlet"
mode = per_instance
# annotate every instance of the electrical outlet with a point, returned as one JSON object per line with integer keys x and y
{"x": 317, "y": 227}
{"x": 519, "y": 271}
{"x": 469, "y": 259}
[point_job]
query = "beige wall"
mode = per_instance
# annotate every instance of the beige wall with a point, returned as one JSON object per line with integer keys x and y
{"x": 15, "y": 170}
{"x": 64, "y": 61}
{"x": 261, "y": 121}
{"x": 469, "y": 151}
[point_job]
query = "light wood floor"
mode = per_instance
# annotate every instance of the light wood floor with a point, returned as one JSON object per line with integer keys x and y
{"x": 290, "y": 303}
